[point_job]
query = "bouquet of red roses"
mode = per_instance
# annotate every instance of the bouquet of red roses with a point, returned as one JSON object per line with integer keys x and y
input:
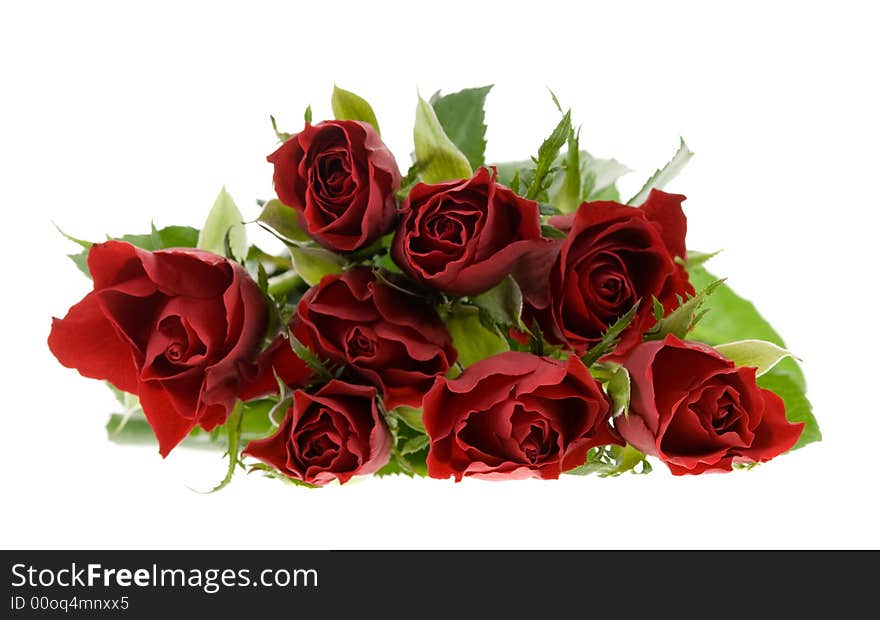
{"x": 502, "y": 320}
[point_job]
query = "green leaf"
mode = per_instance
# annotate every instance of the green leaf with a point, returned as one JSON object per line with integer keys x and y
{"x": 547, "y": 153}
{"x": 307, "y": 115}
{"x": 131, "y": 427}
{"x": 315, "y": 364}
{"x": 786, "y": 383}
{"x": 282, "y": 136}
{"x": 312, "y": 263}
{"x": 80, "y": 259}
{"x": 610, "y": 338}
{"x": 472, "y": 340}
{"x": 503, "y": 303}
{"x": 599, "y": 176}
{"x": 436, "y": 155}
{"x": 618, "y": 389}
{"x": 609, "y": 193}
{"x": 350, "y": 107}
{"x": 664, "y": 175}
{"x": 262, "y": 279}
{"x": 271, "y": 472}
{"x": 759, "y": 354}
{"x": 612, "y": 461}
{"x": 223, "y": 227}
{"x": 683, "y": 319}
{"x": 568, "y": 198}
{"x": 411, "y": 416}
{"x": 283, "y": 220}
{"x": 695, "y": 258}
{"x": 729, "y": 317}
{"x": 462, "y": 116}
{"x": 414, "y": 444}
{"x": 551, "y": 232}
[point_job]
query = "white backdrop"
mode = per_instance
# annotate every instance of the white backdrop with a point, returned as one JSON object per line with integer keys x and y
{"x": 113, "y": 115}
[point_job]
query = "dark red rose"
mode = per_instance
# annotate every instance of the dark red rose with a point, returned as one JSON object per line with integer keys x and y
{"x": 278, "y": 361}
{"x": 612, "y": 257}
{"x": 697, "y": 412}
{"x": 175, "y": 327}
{"x": 463, "y": 237}
{"x": 335, "y": 433}
{"x": 386, "y": 337}
{"x": 341, "y": 178}
{"x": 515, "y": 415}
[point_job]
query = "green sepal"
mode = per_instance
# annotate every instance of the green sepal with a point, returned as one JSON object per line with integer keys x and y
{"x": 224, "y": 229}
{"x": 348, "y": 106}
{"x": 612, "y": 461}
{"x": 436, "y": 155}
{"x": 610, "y": 338}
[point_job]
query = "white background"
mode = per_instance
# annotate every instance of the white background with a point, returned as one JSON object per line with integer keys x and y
{"x": 114, "y": 115}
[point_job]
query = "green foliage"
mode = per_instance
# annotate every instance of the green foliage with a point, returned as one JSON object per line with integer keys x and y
{"x": 223, "y": 231}
{"x": 665, "y": 174}
{"x": 685, "y": 317}
{"x": 282, "y": 136}
{"x": 787, "y": 383}
{"x": 462, "y": 116}
{"x": 612, "y": 461}
{"x": 313, "y": 263}
{"x": 503, "y": 303}
{"x": 472, "y": 339}
{"x": 568, "y": 198}
{"x": 283, "y": 220}
{"x": 349, "y": 106}
{"x": 438, "y": 158}
{"x": 610, "y": 338}
{"x": 758, "y": 354}
{"x": 729, "y": 317}
{"x": 411, "y": 416}
{"x": 156, "y": 239}
{"x": 547, "y": 153}
{"x": 618, "y": 389}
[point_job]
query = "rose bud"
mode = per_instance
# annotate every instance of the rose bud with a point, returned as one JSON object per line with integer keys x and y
{"x": 340, "y": 178}
{"x": 696, "y": 411}
{"x": 173, "y": 326}
{"x": 515, "y": 415}
{"x": 335, "y": 433}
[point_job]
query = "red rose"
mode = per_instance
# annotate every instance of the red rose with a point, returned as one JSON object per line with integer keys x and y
{"x": 696, "y": 411}
{"x": 463, "y": 237}
{"x": 174, "y": 327}
{"x": 341, "y": 178}
{"x": 612, "y": 257}
{"x": 515, "y": 415}
{"x": 337, "y": 432}
{"x": 384, "y": 336}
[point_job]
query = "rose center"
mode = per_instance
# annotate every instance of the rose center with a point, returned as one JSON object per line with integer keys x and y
{"x": 446, "y": 228}
{"x": 360, "y": 343}
{"x": 317, "y": 446}
{"x": 181, "y": 343}
{"x": 725, "y": 415}
{"x": 534, "y": 444}
{"x": 333, "y": 172}
{"x": 609, "y": 286}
